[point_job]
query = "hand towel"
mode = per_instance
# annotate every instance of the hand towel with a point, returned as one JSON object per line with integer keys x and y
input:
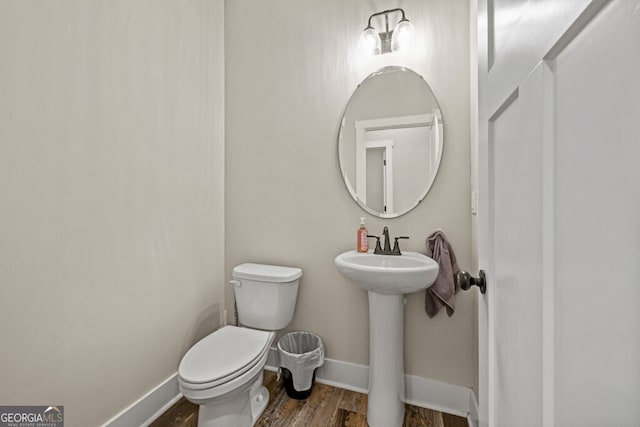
{"x": 442, "y": 292}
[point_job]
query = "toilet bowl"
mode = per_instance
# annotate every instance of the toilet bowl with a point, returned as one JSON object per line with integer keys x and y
{"x": 223, "y": 372}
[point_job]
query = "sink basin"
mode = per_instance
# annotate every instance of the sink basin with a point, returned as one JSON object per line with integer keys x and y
{"x": 388, "y": 274}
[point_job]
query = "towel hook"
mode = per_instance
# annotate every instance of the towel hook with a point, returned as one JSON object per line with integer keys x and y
{"x": 466, "y": 280}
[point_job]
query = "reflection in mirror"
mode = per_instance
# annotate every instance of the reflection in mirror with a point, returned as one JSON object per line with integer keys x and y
{"x": 390, "y": 142}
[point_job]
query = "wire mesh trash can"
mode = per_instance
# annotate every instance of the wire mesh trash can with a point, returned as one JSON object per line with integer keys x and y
{"x": 300, "y": 353}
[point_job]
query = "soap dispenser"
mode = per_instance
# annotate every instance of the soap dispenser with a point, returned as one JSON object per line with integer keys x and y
{"x": 363, "y": 243}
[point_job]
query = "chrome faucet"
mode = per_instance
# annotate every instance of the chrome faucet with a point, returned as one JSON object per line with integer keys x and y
{"x": 387, "y": 245}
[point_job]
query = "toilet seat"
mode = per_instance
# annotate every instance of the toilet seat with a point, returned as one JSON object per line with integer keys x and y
{"x": 223, "y": 356}
{"x": 238, "y": 385}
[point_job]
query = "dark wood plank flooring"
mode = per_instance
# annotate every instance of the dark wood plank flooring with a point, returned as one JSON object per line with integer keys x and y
{"x": 326, "y": 407}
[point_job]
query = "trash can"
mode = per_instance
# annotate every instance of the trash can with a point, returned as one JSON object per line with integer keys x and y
{"x": 300, "y": 353}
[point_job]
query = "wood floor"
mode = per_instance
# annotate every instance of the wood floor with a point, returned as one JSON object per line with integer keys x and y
{"x": 326, "y": 407}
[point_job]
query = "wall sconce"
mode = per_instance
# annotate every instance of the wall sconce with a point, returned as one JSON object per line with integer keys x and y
{"x": 400, "y": 38}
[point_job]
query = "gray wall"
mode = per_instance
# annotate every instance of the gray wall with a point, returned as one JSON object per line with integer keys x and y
{"x": 111, "y": 193}
{"x": 291, "y": 67}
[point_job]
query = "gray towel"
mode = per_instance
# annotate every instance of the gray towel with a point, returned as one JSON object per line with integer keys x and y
{"x": 441, "y": 293}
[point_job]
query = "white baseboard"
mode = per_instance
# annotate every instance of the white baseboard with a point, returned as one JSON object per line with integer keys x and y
{"x": 422, "y": 392}
{"x": 473, "y": 418}
{"x": 150, "y": 406}
{"x": 436, "y": 395}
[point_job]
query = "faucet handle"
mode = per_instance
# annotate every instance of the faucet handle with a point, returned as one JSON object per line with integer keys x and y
{"x": 378, "y": 248}
{"x": 396, "y": 246}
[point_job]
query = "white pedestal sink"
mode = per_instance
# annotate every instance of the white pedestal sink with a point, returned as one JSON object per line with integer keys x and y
{"x": 387, "y": 278}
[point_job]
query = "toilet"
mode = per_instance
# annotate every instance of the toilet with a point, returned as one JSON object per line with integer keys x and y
{"x": 223, "y": 372}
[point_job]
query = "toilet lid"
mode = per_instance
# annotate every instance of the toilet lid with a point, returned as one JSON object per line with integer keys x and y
{"x": 266, "y": 273}
{"x": 226, "y": 353}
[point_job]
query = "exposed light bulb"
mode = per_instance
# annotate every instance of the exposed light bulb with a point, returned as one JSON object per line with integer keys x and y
{"x": 403, "y": 35}
{"x": 370, "y": 43}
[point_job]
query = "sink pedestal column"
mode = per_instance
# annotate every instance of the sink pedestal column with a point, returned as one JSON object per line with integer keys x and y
{"x": 385, "y": 406}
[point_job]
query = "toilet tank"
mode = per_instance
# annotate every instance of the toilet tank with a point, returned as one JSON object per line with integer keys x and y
{"x": 265, "y": 295}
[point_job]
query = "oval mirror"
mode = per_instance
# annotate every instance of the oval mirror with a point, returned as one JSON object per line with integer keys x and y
{"x": 390, "y": 142}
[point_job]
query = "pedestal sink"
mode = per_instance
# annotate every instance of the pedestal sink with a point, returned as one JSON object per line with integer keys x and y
{"x": 387, "y": 278}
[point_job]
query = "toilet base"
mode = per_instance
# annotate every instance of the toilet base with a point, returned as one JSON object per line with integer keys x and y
{"x": 239, "y": 410}
{"x": 259, "y": 403}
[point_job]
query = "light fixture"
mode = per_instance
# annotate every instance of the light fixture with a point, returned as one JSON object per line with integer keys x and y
{"x": 400, "y": 38}
{"x": 370, "y": 42}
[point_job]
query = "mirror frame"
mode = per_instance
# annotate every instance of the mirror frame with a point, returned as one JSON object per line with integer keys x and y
{"x": 345, "y": 179}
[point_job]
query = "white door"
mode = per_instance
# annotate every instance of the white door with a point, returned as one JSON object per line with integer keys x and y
{"x": 559, "y": 226}
{"x": 378, "y": 186}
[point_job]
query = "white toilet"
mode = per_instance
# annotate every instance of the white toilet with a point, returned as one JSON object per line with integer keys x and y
{"x": 223, "y": 372}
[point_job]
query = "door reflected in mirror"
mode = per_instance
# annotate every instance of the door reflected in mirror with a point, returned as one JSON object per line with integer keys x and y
{"x": 390, "y": 142}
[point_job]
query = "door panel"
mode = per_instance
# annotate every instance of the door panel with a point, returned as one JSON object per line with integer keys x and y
{"x": 541, "y": 25}
{"x": 375, "y": 179}
{"x": 506, "y": 14}
{"x": 598, "y": 222}
{"x": 516, "y": 167}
